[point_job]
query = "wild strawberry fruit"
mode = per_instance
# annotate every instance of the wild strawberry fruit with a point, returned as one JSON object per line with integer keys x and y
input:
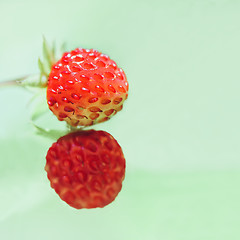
{"x": 86, "y": 87}
{"x": 86, "y": 168}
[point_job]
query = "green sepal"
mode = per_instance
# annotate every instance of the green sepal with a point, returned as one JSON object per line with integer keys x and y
{"x": 45, "y": 64}
{"x": 54, "y": 51}
{"x": 63, "y": 47}
{"x": 50, "y": 133}
{"x": 41, "y": 67}
{"x": 48, "y": 58}
{"x": 34, "y": 81}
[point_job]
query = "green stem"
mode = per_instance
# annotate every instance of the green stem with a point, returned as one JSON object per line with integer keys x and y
{"x": 15, "y": 82}
{"x": 8, "y": 83}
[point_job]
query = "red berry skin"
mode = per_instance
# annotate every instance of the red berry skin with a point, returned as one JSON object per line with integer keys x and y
{"x": 86, "y": 87}
{"x": 86, "y": 168}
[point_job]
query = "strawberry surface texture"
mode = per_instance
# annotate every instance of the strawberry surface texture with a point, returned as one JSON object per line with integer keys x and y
{"x": 86, "y": 168}
{"x": 86, "y": 87}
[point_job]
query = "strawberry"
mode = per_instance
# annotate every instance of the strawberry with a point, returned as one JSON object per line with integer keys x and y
{"x": 86, "y": 87}
{"x": 86, "y": 168}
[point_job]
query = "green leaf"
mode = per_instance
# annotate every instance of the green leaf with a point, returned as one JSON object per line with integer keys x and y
{"x": 52, "y": 134}
{"x": 41, "y": 67}
{"x": 32, "y": 81}
{"x": 63, "y": 47}
{"x": 54, "y": 52}
{"x": 47, "y": 54}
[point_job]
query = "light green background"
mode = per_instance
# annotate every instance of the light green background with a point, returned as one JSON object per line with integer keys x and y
{"x": 179, "y": 129}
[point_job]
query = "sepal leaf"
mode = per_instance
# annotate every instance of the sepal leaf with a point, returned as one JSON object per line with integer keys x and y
{"x": 49, "y": 133}
{"x": 48, "y": 57}
{"x": 34, "y": 81}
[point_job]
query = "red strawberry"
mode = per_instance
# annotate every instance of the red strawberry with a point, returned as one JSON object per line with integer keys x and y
{"x": 86, "y": 168}
{"x": 86, "y": 87}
